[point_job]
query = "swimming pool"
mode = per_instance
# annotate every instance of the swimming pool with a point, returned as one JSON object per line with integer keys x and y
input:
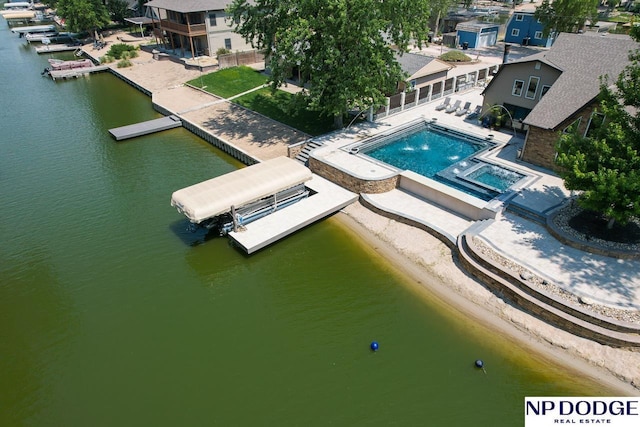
{"x": 443, "y": 154}
{"x": 497, "y": 177}
{"x": 425, "y": 150}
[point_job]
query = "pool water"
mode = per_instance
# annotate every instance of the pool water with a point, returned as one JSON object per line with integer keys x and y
{"x": 496, "y": 177}
{"x": 425, "y": 152}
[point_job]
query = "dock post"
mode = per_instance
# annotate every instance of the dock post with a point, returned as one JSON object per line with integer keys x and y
{"x": 235, "y": 219}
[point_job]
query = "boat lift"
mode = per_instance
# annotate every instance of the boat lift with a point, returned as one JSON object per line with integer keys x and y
{"x": 229, "y": 202}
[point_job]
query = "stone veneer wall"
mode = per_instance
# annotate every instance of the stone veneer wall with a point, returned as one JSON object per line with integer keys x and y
{"x": 351, "y": 183}
{"x": 540, "y": 148}
{"x": 294, "y": 150}
{"x": 596, "y": 328}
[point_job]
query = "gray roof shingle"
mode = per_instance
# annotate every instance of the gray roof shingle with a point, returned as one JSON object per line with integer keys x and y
{"x": 583, "y": 58}
{"x": 186, "y": 6}
{"x": 411, "y": 63}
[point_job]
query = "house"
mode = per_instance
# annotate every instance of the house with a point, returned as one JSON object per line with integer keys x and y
{"x": 422, "y": 71}
{"x": 523, "y": 28}
{"x": 556, "y": 90}
{"x": 476, "y": 34}
{"x": 195, "y": 27}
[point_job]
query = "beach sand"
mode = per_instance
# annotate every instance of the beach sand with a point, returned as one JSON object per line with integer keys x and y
{"x": 430, "y": 264}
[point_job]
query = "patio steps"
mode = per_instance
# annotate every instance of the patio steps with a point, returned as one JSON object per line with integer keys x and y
{"x": 303, "y": 156}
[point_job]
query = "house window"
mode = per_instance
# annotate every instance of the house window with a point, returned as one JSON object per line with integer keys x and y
{"x": 515, "y": 32}
{"x": 532, "y": 87}
{"x": 545, "y": 89}
{"x": 212, "y": 19}
{"x": 227, "y": 44}
{"x": 538, "y": 35}
{"x": 573, "y": 127}
{"x": 519, "y": 17}
{"x": 595, "y": 122}
{"x": 518, "y": 85}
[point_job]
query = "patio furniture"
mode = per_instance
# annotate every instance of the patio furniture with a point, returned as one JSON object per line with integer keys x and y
{"x": 451, "y": 108}
{"x": 464, "y": 110}
{"x": 475, "y": 113}
{"x": 444, "y": 105}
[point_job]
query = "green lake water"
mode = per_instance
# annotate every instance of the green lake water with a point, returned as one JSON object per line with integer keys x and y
{"x": 113, "y": 314}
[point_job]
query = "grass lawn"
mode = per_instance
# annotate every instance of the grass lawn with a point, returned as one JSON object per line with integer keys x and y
{"x": 230, "y": 81}
{"x": 275, "y": 107}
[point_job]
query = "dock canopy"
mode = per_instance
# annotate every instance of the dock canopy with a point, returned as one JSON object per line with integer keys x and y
{"x": 216, "y": 196}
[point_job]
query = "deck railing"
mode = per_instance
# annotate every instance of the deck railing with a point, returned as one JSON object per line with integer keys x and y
{"x": 188, "y": 30}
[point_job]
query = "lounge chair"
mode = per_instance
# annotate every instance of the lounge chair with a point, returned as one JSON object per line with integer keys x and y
{"x": 464, "y": 110}
{"x": 475, "y": 113}
{"x": 451, "y": 108}
{"x": 444, "y": 105}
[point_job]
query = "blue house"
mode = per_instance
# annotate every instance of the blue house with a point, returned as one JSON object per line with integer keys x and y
{"x": 475, "y": 34}
{"x": 523, "y": 28}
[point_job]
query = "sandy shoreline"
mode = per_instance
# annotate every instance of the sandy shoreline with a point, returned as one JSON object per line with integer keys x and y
{"x": 430, "y": 264}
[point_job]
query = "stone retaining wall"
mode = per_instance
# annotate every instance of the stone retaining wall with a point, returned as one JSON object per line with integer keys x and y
{"x": 351, "y": 183}
{"x": 596, "y": 328}
{"x": 590, "y": 247}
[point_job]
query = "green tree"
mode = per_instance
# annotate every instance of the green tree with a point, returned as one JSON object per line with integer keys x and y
{"x": 119, "y": 10}
{"x": 83, "y": 15}
{"x": 341, "y": 47}
{"x": 605, "y": 164}
{"x": 566, "y": 16}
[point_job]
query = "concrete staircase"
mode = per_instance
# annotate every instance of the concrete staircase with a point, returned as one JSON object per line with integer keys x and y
{"x": 303, "y": 156}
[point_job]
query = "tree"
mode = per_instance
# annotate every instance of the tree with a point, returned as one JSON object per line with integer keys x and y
{"x": 119, "y": 10}
{"x": 605, "y": 165}
{"x": 341, "y": 48}
{"x": 566, "y": 16}
{"x": 83, "y": 15}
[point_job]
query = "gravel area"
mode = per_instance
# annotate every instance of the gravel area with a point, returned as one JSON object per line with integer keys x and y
{"x": 572, "y": 209}
{"x": 630, "y": 316}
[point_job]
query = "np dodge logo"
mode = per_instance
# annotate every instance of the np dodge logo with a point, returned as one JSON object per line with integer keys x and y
{"x": 610, "y": 411}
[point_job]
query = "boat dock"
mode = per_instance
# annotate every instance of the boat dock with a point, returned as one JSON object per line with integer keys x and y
{"x": 76, "y": 72}
{"x": 51, "y": 48}
{"x": 145, "y": 128}
{"x": 328, "y": 199}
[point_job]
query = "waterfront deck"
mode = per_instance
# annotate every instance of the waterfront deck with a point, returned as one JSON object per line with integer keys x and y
{"x": 145, "y": 128}
{"x": 328, "y": 199}
{"x": 51, "y": 48}
{"x": 76, "y": 72}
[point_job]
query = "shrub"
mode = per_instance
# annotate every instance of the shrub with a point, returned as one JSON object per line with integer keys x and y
{"x": 106, "y": 59}
{"x": 222, "y": 51}
{"x": 454, "y": 56}
{"x": 117, "y": 50}
{"x": 124, "y": 63}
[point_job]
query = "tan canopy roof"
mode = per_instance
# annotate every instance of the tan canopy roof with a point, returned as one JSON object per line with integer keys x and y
{"x": 216, "y": 196}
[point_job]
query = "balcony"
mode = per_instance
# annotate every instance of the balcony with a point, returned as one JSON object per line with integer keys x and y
{"x": 185, "y": 30}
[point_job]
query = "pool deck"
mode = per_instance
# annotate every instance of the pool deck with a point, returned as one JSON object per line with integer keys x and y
{"x": 605, "y": 280}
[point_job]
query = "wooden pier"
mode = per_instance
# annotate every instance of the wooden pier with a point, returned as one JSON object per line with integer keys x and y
{"x": 76, "y": 72}
{"x": 145, "y": 128}
{"x": 51, "y": 48}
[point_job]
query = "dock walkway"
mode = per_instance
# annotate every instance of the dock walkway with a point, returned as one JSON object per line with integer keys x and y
{"x": 328, "y": 199}
{"x": 51, "y": 48}
{"x": 76, "y": 72}
{"x": 145, "y": 128}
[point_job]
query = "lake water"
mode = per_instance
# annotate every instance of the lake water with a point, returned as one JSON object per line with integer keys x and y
{"x": 113, "y": 314}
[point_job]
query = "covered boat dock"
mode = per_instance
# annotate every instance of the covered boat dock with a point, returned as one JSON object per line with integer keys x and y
{"x": 262, "y": 203}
